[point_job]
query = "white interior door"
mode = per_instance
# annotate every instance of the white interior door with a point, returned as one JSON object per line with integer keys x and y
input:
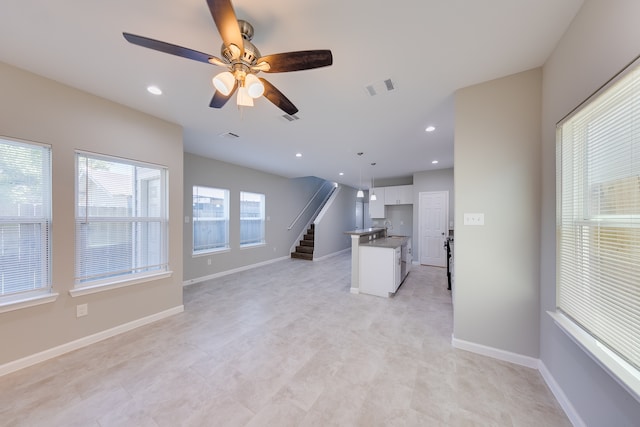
{"x": 434, "y": 216}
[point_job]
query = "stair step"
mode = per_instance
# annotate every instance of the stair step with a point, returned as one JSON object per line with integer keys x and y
{"x": 306, "y": 243}
{"x": 308, "y": 237}
{"x": 304, "y": 249}
{"x": 308, "y": 257}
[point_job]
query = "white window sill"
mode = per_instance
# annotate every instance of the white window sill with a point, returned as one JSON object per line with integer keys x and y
{"x": 253, "y": 245}
{"x": 210, "y": 252}
{"x": 102, "y": 287}
{"x": 23, "y": 301}
{"x": 625, "y": 374}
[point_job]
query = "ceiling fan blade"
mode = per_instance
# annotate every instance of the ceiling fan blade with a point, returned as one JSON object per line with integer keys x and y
{"x": 296, "y": 61}
{"x": 277, "y": 98}
{"x": 225, "y": 18}
{"x": 173, "y": 49}
{"x": 219, "y": 100}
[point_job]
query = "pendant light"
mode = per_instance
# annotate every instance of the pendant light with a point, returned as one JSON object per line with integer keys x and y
{"x": 360, "y": 193}
{"x": 373, "y": 183}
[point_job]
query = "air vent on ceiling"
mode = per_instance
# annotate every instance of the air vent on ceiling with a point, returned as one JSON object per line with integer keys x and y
{"x": 380, "y": 87}
{"x": 290, "y": 118}
{"x": 229, "y": 135}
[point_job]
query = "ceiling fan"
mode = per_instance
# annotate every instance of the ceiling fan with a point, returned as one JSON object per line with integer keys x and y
{"x": 242, "y": 60}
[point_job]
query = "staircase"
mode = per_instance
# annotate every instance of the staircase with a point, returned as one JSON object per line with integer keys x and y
{"x": 305, "y": 249}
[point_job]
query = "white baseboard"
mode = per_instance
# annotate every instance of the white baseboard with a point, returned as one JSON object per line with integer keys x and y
{"x": 507, "y": 356}
{"x": 529, "y": 362}
{"x": 33, "y": 359}
{"x": 560, "y": 396}
{"x": 355, "y": 290}
{"x": 322, "y": 258}
{"x": 232, "y": 271}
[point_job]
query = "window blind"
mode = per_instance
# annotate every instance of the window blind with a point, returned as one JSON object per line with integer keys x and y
{"x": 598, "y": 233}
{"x": 210, "y": 219}
{"x": 25, "y": 217}
{"x": 121, "y": 219}
{"x": 252, "y": 216}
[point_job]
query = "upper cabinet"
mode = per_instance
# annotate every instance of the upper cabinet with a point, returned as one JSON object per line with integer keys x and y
{"x": 376, "y": 207}
{"x": 398, "y": 195}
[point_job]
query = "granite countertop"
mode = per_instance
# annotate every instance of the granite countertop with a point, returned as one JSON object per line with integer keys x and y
{"x": 387, "y": 242}
{"x": 364, "y": 231}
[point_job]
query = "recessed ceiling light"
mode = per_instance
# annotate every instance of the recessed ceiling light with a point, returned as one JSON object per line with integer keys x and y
{"x": 298, "y": 154}
{"x": 154, "y": 90}
{"x": 430, "y": 128}
{"x": 435, "y": 162}
{"x": 341, "y": 173}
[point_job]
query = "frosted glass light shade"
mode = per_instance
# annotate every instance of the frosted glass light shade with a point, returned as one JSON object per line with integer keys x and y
{"x": 360, "y": 194}
{"x": 243, "y": 97}
{"x": 224, "y": 82}
{"x": 373, "y": 197}
{"x": 254, "y": 86}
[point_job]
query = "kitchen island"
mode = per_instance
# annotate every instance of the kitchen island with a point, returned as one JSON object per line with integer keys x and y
{"x": 383, "y": 265}
{"x": 359, "y": 237}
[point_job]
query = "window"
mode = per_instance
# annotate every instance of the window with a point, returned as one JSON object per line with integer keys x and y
{"x": 210, "y": 219}
{"x": 598, "y": 223}
{"x": 251, "y": 219}
{"x": 25, "y": 217}
{"x": 121, "y": 219}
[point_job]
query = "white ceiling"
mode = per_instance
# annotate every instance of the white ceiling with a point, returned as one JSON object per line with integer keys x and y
{"x": 429, "y": 48}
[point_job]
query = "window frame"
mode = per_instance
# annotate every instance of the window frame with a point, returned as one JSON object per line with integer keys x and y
{"x": 136, "y": 273}
{"x": 583, "y": 223}
{"x": 261, "y": 218}
{"x": 212, "y": 250}
{"x": 44, "y": 292}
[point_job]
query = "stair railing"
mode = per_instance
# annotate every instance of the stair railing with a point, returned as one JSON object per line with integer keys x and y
{"x": 309, "y": 204}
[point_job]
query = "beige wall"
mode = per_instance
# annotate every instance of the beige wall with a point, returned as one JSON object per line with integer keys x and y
{"x": 36, "y": 109}
{"x": 497, "y": 172}
{"x": 601, "y": 40}
{"x": 284, "y": 199}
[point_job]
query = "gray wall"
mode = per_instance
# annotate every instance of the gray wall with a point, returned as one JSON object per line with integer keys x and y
{"x": 497, "y": 172}
{"x": 603, "y": 38}
{"x": 338, "y": 218}
{"x": 284, "y": 198}
{"x": 36, "y": 109}
{"x": 436, "y": 180}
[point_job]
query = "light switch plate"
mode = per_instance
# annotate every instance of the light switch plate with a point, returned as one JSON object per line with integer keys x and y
{"x": 474, "y": 219}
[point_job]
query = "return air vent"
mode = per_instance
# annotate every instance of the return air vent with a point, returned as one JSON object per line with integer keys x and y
{"x": 381, "y": 87}
{"x": 290, "y": 118}
{"x": 229, "y": 135}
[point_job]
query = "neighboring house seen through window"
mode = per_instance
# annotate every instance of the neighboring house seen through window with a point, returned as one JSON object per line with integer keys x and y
{"x": 121, "y": 219}
{"x": 252, "y": 216}
{"x": 25, "y": 218}
{"x": 210, "y": 219}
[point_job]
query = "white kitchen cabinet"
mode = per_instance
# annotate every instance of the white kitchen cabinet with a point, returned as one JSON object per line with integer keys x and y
{"x": 376, "y": 207}
{"x": 380, "y": 270}
{"x": 398, "y": 195}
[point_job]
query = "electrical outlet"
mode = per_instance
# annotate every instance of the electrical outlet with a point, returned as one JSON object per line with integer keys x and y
{"x": 474, "y": 219}
{"x": 82, "y": 310}
{"x": 209, "y": 261}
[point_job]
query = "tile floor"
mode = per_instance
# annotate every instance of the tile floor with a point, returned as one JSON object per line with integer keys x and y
{"x": 285, "y": 345}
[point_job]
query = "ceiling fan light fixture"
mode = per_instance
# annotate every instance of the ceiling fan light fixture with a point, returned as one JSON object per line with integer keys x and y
{"x": 224, "y": 82}
{"x": 244, "y": 99}
{"x": 254, "y": 86}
